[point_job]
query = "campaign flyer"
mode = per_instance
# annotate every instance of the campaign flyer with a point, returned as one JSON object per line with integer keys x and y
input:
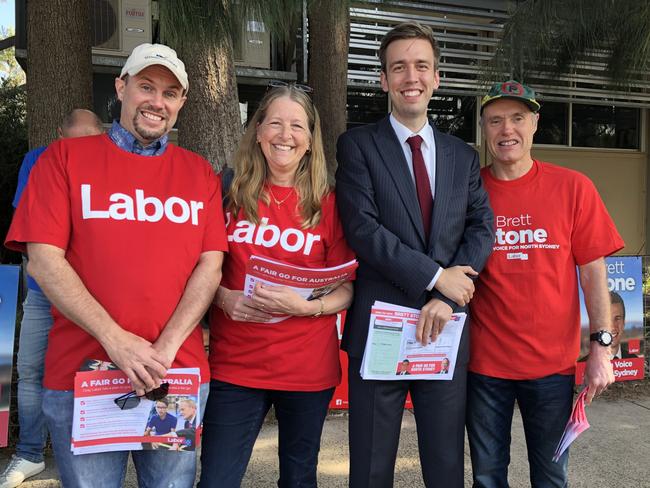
{"x": 109, "y": 417}
{"x": 392, "y": 351}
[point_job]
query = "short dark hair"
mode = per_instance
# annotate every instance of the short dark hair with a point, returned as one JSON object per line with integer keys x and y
{"x": 163, "y": 400}
{"x": 409, "y": 30}
{"x": 615, "y": 298}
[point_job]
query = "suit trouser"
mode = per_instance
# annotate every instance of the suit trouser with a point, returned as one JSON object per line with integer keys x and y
{"x": 376, "y": 409}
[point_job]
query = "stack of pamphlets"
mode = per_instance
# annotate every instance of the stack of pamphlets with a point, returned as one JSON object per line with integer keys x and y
{"x": 393, "y": 353}
{"x": 100, "y": 425}
{"x": 309, "y": 283}
{"x": 576, "y": 425}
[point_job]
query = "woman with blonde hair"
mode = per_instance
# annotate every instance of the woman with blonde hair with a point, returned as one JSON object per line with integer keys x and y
{"x": 280, "y": 206}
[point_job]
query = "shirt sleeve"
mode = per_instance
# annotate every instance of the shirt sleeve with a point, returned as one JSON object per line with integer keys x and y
{"x": 43, "y": 213}
{"x": 594, "y": 234}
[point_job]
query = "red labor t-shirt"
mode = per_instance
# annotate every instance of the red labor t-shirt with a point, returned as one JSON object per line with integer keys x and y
{"x": 299, "y": 353}
{"x": 133, "y": 228}
{"x": 525, "y": 311}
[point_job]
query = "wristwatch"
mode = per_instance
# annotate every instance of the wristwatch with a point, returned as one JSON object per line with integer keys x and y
{"x": 603, "y": 337}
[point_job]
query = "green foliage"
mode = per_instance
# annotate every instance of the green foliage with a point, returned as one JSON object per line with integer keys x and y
{"x": 555, "y": 36}
{"x": 13, "y": 134}
{"x": 209, "y": 21}
{"x": 9, "y": 67}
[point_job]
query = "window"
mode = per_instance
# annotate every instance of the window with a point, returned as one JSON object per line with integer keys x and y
{"x": 552, "y": 126}
{"x": 366, "y": 106}
{"x": 605, "y": 126}
{"x": 454, "y": 115}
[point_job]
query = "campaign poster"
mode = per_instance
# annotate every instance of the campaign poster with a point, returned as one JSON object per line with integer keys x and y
{"x": 9, "y": 279}
{"x": 625, "y": 284}
{"x": 340, "y": 399}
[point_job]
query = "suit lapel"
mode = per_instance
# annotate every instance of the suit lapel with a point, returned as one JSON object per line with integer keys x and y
{"x": 393, "y": 158}
{"x": 444, "y": 184}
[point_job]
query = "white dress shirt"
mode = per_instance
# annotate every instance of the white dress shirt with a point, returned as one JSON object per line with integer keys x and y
{"x": 428, "y": 149}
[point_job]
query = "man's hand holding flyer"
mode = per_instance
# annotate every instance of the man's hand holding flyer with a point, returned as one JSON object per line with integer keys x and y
{"x": 393, "y": 353}
{"x": 309, "y": 283}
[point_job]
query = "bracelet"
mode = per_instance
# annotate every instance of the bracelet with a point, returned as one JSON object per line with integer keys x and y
{"x": 322, "y": 308}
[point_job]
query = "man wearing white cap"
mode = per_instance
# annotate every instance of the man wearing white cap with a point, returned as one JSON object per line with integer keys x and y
{"x": 128, "y": 249}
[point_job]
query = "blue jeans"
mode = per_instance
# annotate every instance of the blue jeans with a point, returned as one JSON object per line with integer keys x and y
{"x": 155, "y": 469}
{"x": 233, "y": 420}
{"x": 34, "y": 330}
{"x": 545, "y": 405}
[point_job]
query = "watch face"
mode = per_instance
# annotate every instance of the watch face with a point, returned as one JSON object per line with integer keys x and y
{"x": 606, "y": 338}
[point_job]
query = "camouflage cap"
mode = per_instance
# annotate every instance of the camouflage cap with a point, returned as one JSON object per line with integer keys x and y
{"x": 514, "y": 90}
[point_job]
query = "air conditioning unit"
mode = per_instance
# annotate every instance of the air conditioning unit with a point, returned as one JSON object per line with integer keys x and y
{"x": 253, "y": 47}
{"x": 120, "y": 25}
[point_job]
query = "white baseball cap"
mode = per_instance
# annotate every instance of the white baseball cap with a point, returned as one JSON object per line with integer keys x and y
{"x": 146, "y": 55}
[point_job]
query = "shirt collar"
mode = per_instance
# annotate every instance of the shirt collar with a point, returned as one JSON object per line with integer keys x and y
{"x": 127, "y": 142}
{"x": 403, "y": 132}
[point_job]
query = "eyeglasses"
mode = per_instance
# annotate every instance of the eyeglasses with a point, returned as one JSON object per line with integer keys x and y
{"x": 283, "y": 84}
{"x": 132, "y": 400}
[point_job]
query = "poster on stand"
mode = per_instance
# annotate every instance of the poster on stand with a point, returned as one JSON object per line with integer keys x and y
{"x": 625, "y": 284}
{"x": 9, "y": 280}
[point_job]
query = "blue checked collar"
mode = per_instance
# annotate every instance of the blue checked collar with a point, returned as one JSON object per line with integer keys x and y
{"x": 127, "y": 141}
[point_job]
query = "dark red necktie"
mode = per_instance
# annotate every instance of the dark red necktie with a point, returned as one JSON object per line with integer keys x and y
{"x": 422, "y": 183}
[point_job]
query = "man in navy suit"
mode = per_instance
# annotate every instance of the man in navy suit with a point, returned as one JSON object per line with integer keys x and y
{"x": 415, "y": 212}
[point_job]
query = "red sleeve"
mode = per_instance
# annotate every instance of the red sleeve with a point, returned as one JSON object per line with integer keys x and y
{"x": 338, "y": 251}
{"x": 594, "y": 233}
{"x": 43, "y": 214}
{"x": 215, "y": 238}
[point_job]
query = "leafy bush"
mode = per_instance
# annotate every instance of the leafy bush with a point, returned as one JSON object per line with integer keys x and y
{"x": 13, "y": 134}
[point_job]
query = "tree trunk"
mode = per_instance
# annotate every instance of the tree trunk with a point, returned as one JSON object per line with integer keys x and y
{"x": 59, "y": 73}
{"x": 329, "y": 26}
{"x": 209, "y": 123}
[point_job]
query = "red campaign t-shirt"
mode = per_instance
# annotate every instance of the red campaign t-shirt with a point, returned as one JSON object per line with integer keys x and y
{"x": 133, "y": 228}
{"x": 299, "y": 353}
{"x": 525, "y": 312}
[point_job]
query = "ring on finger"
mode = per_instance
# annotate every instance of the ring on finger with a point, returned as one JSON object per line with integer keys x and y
{"x": 245, "y": 316}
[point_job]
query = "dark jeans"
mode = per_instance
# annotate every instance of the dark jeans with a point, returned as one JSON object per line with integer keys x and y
{"x": 233, "y": 419}
{"x": 545, "y": 405}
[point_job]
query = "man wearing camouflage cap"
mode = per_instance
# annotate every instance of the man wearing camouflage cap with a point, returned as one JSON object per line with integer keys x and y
{"x": 525, "y": 333}
{"x": 128, "y": 248}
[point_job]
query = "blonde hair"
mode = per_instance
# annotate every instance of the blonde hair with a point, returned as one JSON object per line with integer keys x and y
{"x": 251, "y": 171}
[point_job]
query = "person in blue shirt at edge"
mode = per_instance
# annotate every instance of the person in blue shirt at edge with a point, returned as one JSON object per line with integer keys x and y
{"x": 34, "y": 329}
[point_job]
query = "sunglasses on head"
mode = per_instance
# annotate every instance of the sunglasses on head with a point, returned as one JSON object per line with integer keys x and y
{"x": 132, "y": 400}
{"x": 283, "y": 84}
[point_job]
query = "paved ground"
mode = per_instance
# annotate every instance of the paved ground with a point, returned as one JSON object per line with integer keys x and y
{"x": 614, "y": 453}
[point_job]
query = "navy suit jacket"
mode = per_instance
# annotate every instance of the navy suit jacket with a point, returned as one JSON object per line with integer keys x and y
{"x": 381, "y": 217}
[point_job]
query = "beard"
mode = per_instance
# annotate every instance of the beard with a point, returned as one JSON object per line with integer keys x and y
{"x": 147, "y": 133}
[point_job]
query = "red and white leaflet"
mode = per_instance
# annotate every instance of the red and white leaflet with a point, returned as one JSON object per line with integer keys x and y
{"x": 309, "y": 283}
{"x": 393, "y": 353}
{"x": 576, "y": 425}
{"x": 99, "y": 425}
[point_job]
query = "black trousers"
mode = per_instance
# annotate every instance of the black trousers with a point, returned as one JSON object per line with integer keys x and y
{"x": 376, "y": 409}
